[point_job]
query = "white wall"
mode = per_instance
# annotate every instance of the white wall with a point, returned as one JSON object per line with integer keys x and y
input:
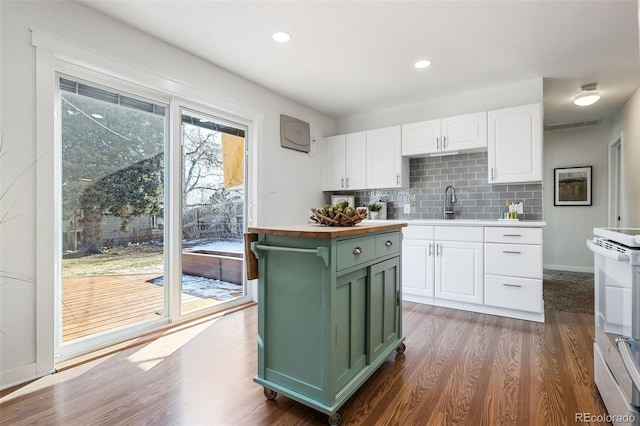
{"x": 287, "y": 180}
{"x": 568, "y": 227}
{"x": 508, "y": 95}
{"x": 627, "y": 125}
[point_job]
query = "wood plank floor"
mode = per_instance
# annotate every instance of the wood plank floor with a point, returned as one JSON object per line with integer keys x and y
{"x": 93, "y": 304}
{"x": 460, "y": 368}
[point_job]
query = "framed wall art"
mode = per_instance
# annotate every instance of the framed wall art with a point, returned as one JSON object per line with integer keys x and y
{"x": 572, "y": 186}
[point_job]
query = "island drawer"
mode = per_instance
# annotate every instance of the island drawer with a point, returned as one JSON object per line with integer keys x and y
{"x": 523, "y": 294}
{"x": 354, "y": 251}
{"x": 513, "y": 235}
{"x": 517, "y": 260}
{"x": 388, "y": 243}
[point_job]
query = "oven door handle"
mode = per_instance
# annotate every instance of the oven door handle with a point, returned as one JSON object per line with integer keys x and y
{"x": 624, "y": 345}
{"x": 620, "y": 257}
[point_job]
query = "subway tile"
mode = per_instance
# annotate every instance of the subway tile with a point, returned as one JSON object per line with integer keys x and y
{"x": 468, "y": 174}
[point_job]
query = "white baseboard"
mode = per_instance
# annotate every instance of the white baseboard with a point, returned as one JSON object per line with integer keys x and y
{"x": 569, "y": 268}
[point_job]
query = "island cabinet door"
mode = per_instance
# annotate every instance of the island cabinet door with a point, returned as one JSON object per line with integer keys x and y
{"x": 350, "y": 328}
{"x": 384, "y": 306}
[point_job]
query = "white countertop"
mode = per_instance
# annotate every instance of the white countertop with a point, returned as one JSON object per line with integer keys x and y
{"x": 466, "y": 222}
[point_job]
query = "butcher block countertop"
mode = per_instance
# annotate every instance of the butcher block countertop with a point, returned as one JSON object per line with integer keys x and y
{"x": 321, "y": 231}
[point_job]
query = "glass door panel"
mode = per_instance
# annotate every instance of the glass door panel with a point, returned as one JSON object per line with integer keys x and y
{"x": 112, "y": 192}
{"x": 213, "y": 205}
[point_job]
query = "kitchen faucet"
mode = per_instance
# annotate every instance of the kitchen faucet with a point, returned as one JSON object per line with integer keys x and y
{"x": 449, "y": 202}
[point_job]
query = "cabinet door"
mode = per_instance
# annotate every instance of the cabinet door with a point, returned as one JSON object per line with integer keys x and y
{"x": 459, "y": 271}
{"x": 421, "y": 138}
{"x": 334, "y": 163}
{"x": 515, "y": 144}
{"x": 384, "y": 306}
{"x": 386, "y": 168}
{"x": 350, "y": 338}
{"x": 467, "y": 131}
{"x": 417, "y": 267}
{"x": 356, "y": 161}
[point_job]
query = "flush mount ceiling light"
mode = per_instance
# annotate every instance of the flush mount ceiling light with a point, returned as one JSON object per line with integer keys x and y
{"x": 588, "y": 96}
{"x": 96, "y": 115}
{"x": 281, "y": 36}
{"x": 423, "y": 63}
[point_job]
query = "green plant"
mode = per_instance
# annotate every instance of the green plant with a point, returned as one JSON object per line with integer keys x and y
{"x": 374, "y": 207}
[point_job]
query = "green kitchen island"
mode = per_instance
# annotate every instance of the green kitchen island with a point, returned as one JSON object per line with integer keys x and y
{"x": 329, "y": 309}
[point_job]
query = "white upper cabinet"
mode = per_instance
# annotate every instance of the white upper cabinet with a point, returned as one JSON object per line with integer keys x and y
{"x": 515, "y": 144}
{"x": 462, "y": 132}
{"x": 467, "y": 131}
{"x": 345, "y": 162}
{"x": 356, "y": 161}
{"x": 421, "y": 138}
{"x": 386, "y": 168}
{"x": 334, "y": 163}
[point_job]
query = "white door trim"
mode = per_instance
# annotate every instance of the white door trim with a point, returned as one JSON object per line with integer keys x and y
{"x": 615, "y": 184}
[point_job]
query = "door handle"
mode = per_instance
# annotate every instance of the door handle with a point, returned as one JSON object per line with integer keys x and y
{"x": 357, "y": 250}
{"x": 511, "y": 285}
{"x": 511, "y": 252}
{"x": 430, "y": 250}
{"x": 388, "y": 243}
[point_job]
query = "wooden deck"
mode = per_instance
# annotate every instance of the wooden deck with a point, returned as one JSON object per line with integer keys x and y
{"x": 93, "y": 304}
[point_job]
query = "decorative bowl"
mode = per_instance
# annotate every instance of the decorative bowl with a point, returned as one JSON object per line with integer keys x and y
{"x": 338, "y": 218}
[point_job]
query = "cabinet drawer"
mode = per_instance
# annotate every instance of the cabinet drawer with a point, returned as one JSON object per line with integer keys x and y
{"x": 355, "y": 251}
{"x": 513, "y": 235}
{"x": 388, "y": 243}
{"x": 470, "y": 234}
{"x": 418, "y": 232}
{"x": 523, "y": 294}
{"x": 517, "y": 260}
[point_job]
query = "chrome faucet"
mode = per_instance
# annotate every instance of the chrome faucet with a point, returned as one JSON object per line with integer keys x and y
{"x": 449, "y": 202}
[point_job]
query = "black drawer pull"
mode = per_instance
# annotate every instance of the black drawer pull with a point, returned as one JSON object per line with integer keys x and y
{"x": 512, "y": 235}
{"x": 357, "y": 250}
{"x": 511, "y": 285}
{"x": 511, "y": 252}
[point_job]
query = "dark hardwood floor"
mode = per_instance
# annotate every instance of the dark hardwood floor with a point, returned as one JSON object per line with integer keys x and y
{"x": 459, "y": 368}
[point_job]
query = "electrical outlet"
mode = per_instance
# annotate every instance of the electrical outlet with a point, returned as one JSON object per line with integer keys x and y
{"x": 407, "y": 208}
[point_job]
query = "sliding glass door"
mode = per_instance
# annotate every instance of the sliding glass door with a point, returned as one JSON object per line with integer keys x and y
{"x": 112, "y": 194}
{"x": 212, "y": 209}
{"x": 152, "y": 219}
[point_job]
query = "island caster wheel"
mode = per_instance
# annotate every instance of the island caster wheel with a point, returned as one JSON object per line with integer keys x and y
{"x": 270, "y": 394}
{"x": 335, "y": 419}
{"x": 400, "y": 349}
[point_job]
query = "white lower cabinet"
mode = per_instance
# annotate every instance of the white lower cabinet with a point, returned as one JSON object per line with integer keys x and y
{"x": 459, "y": 271}
{"x": 513, "y": 268}
{"x": 493, "y": 270}
{"x": 417, "y": 263}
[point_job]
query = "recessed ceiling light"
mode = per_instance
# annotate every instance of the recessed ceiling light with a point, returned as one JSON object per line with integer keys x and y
{"x": 281, "y": 36}
{"x": 424, "y": 63}
{"x": 96, "y": 115}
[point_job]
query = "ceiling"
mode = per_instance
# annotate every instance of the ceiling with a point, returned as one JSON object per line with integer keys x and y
{"x": 350, "y": 57}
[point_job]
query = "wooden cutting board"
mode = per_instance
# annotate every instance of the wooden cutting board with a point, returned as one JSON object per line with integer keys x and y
{"x": 252, "y": 262}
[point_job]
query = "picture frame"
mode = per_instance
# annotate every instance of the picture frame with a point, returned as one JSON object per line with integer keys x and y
{"x": 572, "y": 186}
